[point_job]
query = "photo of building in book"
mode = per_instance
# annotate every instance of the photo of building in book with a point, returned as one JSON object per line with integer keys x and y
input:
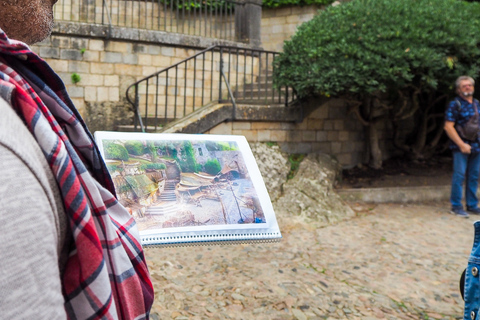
{"x": 182, "y": 183}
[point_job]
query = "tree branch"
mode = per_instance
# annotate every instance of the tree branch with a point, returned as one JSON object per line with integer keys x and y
{"x": 355, "y": 108}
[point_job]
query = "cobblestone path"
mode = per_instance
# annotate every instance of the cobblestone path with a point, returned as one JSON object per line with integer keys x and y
{"x": 390, "y": 262}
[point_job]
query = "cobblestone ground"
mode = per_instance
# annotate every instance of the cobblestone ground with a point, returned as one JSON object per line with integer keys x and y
{"x": 389, "y": 262}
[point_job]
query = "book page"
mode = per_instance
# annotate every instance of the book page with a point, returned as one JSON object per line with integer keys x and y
{"x": 188, "y": 189}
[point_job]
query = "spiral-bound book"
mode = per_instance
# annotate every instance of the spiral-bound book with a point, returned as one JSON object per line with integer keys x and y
{"x": 188, "y": 189}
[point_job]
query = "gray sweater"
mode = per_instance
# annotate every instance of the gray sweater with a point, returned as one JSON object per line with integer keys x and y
{"x": 33, "y": 230}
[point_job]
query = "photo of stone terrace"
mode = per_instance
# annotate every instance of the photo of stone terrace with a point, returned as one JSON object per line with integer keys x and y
{"x": 181, "y": 183}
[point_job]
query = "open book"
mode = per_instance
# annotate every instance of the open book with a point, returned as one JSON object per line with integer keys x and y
{"x": 185, "y": 189}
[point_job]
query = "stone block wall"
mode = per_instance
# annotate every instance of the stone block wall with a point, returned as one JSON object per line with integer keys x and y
{"x": 280, "y": 24}
{"x": 107, "y": 67}
{"x": 329, "y": 129}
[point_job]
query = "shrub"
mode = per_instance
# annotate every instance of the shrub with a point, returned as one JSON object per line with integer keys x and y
{"x": 188, "y": 163}
{"x": 390, "y": 59}
{"x": 115, "y": 151}
{"x": 212, "y": 166}
{"x": 221, "y": 146}
{"x": 153, "y": 166}
{"x": 135, "y": 147}
{"x": 367, "y": 45}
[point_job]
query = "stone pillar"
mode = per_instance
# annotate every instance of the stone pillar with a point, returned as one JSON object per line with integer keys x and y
{"x": 248, "y": 16}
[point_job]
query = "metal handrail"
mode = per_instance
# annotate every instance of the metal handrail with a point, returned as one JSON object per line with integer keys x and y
{"x": 248, "y": 70}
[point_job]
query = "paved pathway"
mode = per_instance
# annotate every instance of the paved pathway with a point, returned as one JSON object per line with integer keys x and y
{"x": 389, "y": 262}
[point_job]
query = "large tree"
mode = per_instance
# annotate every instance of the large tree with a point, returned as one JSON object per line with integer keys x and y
{"x": 390, "y": 59}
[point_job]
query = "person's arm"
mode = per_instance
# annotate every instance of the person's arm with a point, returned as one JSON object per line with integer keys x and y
{"x": 453, "y": 135}
{"x": 32, "y": 227}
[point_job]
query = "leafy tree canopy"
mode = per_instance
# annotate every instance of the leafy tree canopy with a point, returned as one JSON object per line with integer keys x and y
{"x": 364, "y": 46}
{"x": 135, "y": 147}
{"x": 115, "y": 151}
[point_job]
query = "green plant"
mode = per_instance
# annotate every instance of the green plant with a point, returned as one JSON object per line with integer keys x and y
{"x": 282, "y": 3}
{"x": 212, "y": 166}
{"x": 75, "y": 78}
{"x": 135, "y": 147}
{"x": 83, "y": 50}
{"x": 221, "y": 146}
{"x": 188, "y": 162}
{"x": 153, "y": 166}
{"x": 197, "y": 6}
{"x": 390, "y": 60}
{"x": 115, "y": 151}
{"x": 295, "y": 160}
{"x": 114, "y": 167}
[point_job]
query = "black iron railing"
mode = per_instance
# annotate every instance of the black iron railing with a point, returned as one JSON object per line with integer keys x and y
{"x": 211, "y": 19}
{"x": 217, "y": 74}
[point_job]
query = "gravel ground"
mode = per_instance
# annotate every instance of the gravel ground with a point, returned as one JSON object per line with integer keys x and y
{"x": 389, "y": 262}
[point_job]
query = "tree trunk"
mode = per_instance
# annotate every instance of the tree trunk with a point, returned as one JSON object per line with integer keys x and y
{"x": 372, "y": 141}
{"x": 375, "y": 152}
{"x": 421, "y": 136}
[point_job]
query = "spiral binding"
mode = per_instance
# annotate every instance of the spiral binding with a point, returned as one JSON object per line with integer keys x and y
{"x": 206, "y": 240}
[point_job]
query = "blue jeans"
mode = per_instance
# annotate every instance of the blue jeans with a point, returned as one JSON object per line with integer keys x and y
{"x": 472, "y": 281}
{"x": 465, "y": 166}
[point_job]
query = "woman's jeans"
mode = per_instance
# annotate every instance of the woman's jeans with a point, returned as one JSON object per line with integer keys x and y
{"x": 465, "y": 166}
{"x": 472, "y": 282}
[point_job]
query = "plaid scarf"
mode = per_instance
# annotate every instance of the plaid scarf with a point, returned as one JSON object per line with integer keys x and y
{"x": 106, "y": 276}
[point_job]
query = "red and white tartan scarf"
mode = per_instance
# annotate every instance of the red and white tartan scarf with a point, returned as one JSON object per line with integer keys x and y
{"x": 106, "y": 276}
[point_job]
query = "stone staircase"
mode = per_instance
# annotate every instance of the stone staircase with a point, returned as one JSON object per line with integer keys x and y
{"x": 168, "y": 200}
{"x": 163, "y": 209}
{"x": 261, "y": 91}
{"x": 168, "y": 193}
{"x": 254, "y": 101}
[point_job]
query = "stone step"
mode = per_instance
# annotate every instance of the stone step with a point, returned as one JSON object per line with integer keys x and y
{"x": 163, "y": 209}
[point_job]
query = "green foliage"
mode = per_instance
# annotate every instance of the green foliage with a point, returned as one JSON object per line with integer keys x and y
{"x": 221, "y": 146}
{"x": 152, "y": 149}
{"x": 114, "y": 167}
{"x": 124, "y": 188}
{"x": 115, "y": 151}
{"x": 135, "y": 147}
{"x": 271, "y": 143}
{"x": 295, "y": 160}
{"x": 212, "y": 166}
{"x": 188, "y": 162}
{"x": 153, "y": 166}
{"x": 75, "y": 78}
{"x": 141, "y": 185}
{"x": 282, "y": 3}
{"x": 197, "y": 6}
{"x": 366, "y": 46}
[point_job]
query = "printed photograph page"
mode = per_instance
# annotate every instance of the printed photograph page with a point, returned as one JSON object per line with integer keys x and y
{"x": 185, "y": 188}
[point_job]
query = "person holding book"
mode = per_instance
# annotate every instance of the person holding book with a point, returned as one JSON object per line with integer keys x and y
{"x": 68, "y": 248}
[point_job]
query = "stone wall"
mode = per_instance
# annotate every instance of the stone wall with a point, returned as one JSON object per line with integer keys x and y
{"x": 107, "y": 67}
{"x": 280, "y": 24}
{"x": 329, "y": 129}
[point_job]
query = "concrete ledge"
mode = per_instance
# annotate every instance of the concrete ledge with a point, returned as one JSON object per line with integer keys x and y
{"x": 139, "y": 35}
{"x": 396, "y": 195}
